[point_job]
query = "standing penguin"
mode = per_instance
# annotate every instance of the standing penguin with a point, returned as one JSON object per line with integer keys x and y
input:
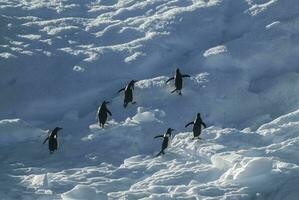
{"x": 52, "y": 137}
{"x": 166, "y": 140}
{"x": 128, "y": 93}
{"x": 178, "y": 81}
{"x": 197, "y": 126}
{"x": 102, "y": 113}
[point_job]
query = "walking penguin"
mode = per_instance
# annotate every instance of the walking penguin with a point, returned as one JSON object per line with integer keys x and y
{"x": 178, "y": 81}
{"x": 197, "y": 126}
{"x": 128, "y": 93}
{"x": 102, "y": 114}
{"x": 166, "y": 140}
{"x": 52, "y": 137}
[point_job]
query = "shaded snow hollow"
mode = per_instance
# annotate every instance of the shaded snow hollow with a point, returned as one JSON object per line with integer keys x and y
{"x": 60, "y": 59}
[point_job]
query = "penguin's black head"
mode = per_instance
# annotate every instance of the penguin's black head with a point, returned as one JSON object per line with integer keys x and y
{"x": 131, "y": 84}
{"x": 169, "y": 130}
{"x": 198, "y": 114}
{"x": 106, "y": 102}
{"x": 57, "y": 129}
{"x": 177, "y": 70}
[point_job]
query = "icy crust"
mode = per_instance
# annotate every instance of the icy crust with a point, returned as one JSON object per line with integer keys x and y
{"x": 224, "y": 164}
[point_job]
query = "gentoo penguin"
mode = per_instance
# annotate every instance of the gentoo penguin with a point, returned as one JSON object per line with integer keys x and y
{"x": 128, "y": 93}
{"x": 102, "y": 113}
{"x": 178, "y": 81}
{"x": 52, "y": 137}
{"x": 166, "y": 140}
{"x": 197, "y": 126}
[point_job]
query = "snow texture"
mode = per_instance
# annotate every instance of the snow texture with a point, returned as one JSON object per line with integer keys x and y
{"x": 60, "y": 59}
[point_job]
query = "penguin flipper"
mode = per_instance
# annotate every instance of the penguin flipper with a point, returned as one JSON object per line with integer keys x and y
{"x": 169, "y": 79}
{"x": 185, "y": 75}
{"x": 188, "y": 124}
{"x": 159, "y": 136}
{"x": 45, "y": 140}
{"x": 120, "y": 90}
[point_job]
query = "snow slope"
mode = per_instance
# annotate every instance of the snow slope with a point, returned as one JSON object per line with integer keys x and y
{"x": 60, "y": 59}
{"x": 226, "y": 163}
{"x": 67, "y": 56}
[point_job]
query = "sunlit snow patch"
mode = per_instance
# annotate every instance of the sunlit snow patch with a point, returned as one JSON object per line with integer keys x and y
{"x": 215, "y": 50}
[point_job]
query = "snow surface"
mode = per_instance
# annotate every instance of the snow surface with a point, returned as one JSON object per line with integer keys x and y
{"x": 60, "y": 59}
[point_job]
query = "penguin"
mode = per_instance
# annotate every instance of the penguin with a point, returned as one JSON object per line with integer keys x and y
{"x": 166, "y": 140}
{"x": 52, "y": 137}
{"x": 197, "y": 126}
{"x": 128, "y": 93}
{"x": 102, "y": 113}
{"x": 178, "y": 81}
